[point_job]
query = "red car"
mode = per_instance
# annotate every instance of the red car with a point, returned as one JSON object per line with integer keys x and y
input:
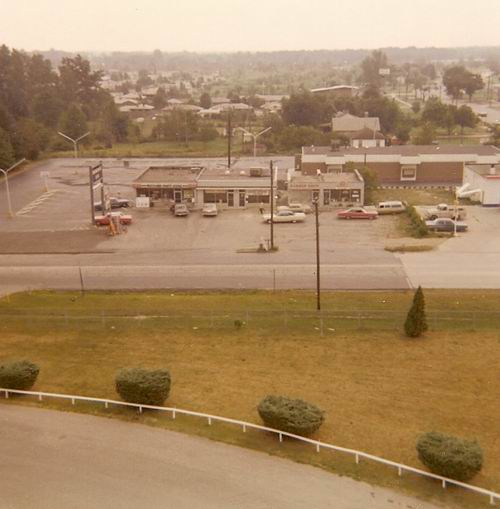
{"x": 104, "y": 220}
{"x": 357, "y": 213}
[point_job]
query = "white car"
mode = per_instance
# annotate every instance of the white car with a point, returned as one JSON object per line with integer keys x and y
{"x": 296, "y": 207}
{"x": 209, "y": 209}
{"x": 285, "y": 216}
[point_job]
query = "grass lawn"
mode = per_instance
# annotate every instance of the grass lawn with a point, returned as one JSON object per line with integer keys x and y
{"x": 379, "y": 389}
{"x": 414, "y": 196}
{"x": 216, "y": 148}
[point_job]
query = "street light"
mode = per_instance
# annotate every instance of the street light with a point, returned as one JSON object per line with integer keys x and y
{"x": 75, "y": 142}
{"x": 254, "y": 136}
{"x": 318, "y": 285}
{"x": 6, "y": 176}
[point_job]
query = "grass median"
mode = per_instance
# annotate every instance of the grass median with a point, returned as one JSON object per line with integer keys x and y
{"x": 379, "y": 389}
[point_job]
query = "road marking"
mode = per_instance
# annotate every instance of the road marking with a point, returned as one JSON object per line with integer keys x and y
{"x": 35, "y": 203}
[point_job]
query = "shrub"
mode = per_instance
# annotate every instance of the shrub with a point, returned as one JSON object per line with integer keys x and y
{"x": 20, "y": 375}
{"x": 143, "y": 386}
{"x": 291, "y": 415}
{"x": 416, "y": 322}
{"x": 418, "y": 227}
{"x": 450, "y": 456}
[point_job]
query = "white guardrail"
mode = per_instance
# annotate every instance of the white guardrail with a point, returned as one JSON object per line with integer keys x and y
{"x": 317, "y": 444}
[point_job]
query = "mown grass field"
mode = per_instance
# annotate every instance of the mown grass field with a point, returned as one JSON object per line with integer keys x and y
{"x": 379, "y": 389}
{"x": 215, "y": 148}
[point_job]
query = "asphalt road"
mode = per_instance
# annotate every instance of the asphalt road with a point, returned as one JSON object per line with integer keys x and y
{"x": 53, "y": 460}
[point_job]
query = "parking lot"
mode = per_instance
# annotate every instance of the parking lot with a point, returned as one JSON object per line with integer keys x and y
{"x": 52, "y": 227}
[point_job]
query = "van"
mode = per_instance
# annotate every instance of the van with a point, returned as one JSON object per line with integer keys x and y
{"x": 391, "y": 207}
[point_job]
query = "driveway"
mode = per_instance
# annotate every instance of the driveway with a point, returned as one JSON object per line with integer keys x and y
{"x": 62, "y": 460}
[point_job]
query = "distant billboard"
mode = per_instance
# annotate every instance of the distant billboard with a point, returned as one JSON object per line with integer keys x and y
{"x": 384, "y": 71}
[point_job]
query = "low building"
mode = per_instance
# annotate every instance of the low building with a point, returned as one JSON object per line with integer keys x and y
{"x": 336, "y": 91}
{"x": 168, "y": 183}
{"x": 233, "y": 189}
{"x": 430, "y": 165}
{"x": 330, "y": 189}
{"x": 346, "y": 124}
{"x": 366, "y": 138}
{"x": 485, "y": 178}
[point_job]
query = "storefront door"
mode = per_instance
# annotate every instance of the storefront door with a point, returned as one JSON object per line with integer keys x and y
{"x": 177, "y": 195}
{"x": 230, "y": 199}
{"x": 242, "y": 199}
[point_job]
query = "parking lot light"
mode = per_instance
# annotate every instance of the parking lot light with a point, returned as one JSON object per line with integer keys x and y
{"x": 254, "y": 137}
{"x": 75, "y": 142}
{"x": 7, "y": 190}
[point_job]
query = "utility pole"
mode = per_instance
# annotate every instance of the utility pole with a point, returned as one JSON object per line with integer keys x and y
{"x": 318, "y": 284}
{"x": 229, "y": 135}
{"x": 7, "y": 190}
{"x": 271, "y": 197}
{"x": 75, "y": 142}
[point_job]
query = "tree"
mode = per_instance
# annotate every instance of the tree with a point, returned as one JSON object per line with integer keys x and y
{"x": 305, "y": 108}
{"x": 370, "y": 68}
{"x": 6, "y": 150}
{"x": 473, "y": 83}
{"x": 458, "y": 79}
{"x": 424, "y": 135}
{"x": 205, "y": 100}
{"x": 160, "y": 99}
{"x": 416, "y": 323}
{"x": 294, "y": 137}
{"x": 73, "y": 122}
{"x": 434, "y": 111}
{"x": 465, "y": 117}
{"x": 29, "y": 138}
{"x": 80, "y": 85}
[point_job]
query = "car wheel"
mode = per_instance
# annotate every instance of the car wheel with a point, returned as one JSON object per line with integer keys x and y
{"x": 433, "y": 218}
{"x": 348, "y": 217}
{"x": 268, "y": 221}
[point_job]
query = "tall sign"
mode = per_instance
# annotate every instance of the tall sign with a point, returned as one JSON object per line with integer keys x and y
{"x": 96, "y": 182}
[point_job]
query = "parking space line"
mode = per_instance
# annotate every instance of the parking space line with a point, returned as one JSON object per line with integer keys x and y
{"x": 38, "y": 201}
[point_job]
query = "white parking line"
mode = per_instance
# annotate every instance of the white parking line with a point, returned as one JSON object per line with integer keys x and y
{"x": 35, "y": 203}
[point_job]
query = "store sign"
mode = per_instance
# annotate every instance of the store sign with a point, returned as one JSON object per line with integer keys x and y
{"x": 142, "y": 202}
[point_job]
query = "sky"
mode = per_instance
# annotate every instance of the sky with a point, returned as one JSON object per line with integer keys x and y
{"x": 244, "y": 25}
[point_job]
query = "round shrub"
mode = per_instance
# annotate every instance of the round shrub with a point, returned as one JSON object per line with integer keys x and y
{"x": 291, "y": 415}
{"x": 143, "y": 386}
{"x": 20, "y": 375}
{"x": 450, "y": 456}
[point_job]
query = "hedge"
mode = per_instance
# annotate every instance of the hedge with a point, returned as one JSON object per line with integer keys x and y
{"x": 450, "y": 456}
{"x": 20, "y": 375}
{"x": 418, "y": 227}
{"x": 143, "y": 386}
{"x": 291, "y": 415}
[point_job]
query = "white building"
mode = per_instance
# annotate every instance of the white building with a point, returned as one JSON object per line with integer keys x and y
{"x": 486, "y": 178}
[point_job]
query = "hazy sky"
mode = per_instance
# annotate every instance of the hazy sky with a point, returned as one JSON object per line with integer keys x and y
{"x": 258, "y": 25}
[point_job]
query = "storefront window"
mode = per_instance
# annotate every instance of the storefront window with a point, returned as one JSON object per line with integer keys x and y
{"x": 214, "y": 197}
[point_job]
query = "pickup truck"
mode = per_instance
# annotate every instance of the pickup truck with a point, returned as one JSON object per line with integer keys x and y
{"x": 445, "y": 211}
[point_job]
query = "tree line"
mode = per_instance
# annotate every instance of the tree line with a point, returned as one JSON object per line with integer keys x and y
{"x": 38, "y": 100}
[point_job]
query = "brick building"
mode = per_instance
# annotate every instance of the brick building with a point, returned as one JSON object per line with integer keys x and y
{"x": 404, "y": 164}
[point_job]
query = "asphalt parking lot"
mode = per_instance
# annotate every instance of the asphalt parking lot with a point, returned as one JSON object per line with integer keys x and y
{"x": 52, "y": 229}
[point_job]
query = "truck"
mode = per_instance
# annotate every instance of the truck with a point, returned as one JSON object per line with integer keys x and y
{"x": 443, "y": 210}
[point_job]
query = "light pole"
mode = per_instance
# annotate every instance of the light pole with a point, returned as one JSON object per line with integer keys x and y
{"x": 318, "y": 285}
{"x": 271, "y": 197}
{"x": 75, "y": 142}
{"x": 7, "y": 190}
{"x": 254, "y": 137}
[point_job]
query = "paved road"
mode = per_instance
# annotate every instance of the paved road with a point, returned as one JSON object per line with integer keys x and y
{"x": 61, "y": 460}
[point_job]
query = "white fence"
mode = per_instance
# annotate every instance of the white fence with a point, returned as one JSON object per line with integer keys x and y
{"x": 245, "y": 425}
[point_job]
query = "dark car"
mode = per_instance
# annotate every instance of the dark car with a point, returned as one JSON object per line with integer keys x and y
{"x": 114, "y": 203}
{"x": 444, "y": 224}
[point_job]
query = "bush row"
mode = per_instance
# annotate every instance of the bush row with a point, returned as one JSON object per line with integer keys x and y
{"x": 418, "y": 227}
{"x": 442, "y": 454}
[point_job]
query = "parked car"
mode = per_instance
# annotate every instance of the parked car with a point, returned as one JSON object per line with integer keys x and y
{"x": 114, "y": 203}
{"x": 358, "y": 213}
{"x": 445, "y": 211}
{"x": 209, "y": 209}
{"x": 296, "y": 207}
{"x": 391, "y": 207}
{"x": 285, "y": 216}
{"x": 444, "y": 224}
{"x": 105, "y": 219}
{"x": 180, "y": 209}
